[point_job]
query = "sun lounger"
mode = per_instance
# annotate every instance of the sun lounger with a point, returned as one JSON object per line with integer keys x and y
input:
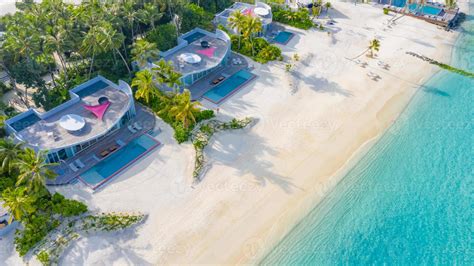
{"x": 104, "y": 153}
{"x": 120, "y": 142}
{"x": 113, "y": 148}
{"x": 79, "y": 163}
{"x": 218, "y": 80}
{"x": 137, "y": 126}
{"x": 131, "y": 129}
{"x": 73, "y": 167}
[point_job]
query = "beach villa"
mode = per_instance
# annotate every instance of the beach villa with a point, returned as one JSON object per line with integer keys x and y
{"x": 259, "y": 9}
{"x": 208, "y": 67}
{"x": 430, "y": 11}
{"x": 89, "y": 130}
{"x": 198, "y": 53}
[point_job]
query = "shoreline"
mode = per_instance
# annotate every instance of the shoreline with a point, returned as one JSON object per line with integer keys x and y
{"x": 338, "y": 175}
{"x": 362, "y": 151}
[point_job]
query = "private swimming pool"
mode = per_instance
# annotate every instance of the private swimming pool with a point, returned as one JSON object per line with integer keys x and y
{"x": 92, "y": 88}
{"x": 427, "y": 10}
{"x": 229, "y": 86}
{"x": 191, "y": 38}
{"x": 115, "y": 163}
{"x": 25, "y": 122}
{"x": 283, "y": 37}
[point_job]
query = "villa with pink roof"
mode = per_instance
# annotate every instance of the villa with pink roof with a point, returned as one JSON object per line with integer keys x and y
{"x": 97, "y": 108}
{"x": 259, "y": 10}
{"x": 198, "y": 53}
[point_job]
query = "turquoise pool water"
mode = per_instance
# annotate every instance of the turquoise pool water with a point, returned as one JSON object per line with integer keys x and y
{"x": 283, "y": 37}
{"x": 428, "y": 10}
{"x": 398, "y": 3}
{"x": 25, "y": 122}
{"x": 118, "y": 161}
{"x": 195, "y": 36}
{"x": 229, "y": 86}
{"x": 92, "y": 88}
{"x": 409, "y": 201}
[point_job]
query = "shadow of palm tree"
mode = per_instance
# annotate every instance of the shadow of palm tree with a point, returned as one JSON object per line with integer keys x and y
{"x": 115, "y": 240}
{"x": 247, "y": 157}
{"x": 323, "y": 85}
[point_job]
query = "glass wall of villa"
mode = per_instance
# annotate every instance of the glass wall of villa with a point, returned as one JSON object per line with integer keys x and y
{"x": 190, "y": 79}
{"x": 68, "y": 152}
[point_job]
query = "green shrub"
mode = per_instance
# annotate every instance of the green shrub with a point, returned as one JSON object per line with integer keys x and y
{"x": 298, "y": 19}
{"x": 4, "y": 87}
{"x": 36, "y": 228}
{"x": 6, "y": 182}
{"x": 43, "y": 257}
{"x": 206, "y": 129}
{"x": 164, "y": 36}
{"x": 386, "y": 11}
{"x": 40, "y": 223}
{"x": 269, "y": 53}
{"x": 67, "y": 207}
{"x": 204, "y": 115}
{"x": 180, "y": 133}
{"x": 195, "y": 16}
{"x": 263, "y": 50}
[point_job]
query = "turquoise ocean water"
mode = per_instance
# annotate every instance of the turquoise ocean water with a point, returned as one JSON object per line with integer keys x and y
{"x": 410, "y": 200}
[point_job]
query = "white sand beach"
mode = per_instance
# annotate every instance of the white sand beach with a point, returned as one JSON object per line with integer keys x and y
{"x": 264, "y": 179}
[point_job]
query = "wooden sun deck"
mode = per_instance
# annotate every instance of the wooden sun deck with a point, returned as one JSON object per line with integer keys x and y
{"x": 91, "y": 156}
{"x": 203, "y": 85}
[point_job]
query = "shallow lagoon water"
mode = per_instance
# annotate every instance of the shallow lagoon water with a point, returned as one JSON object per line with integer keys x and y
{"x": 410, "y": 200}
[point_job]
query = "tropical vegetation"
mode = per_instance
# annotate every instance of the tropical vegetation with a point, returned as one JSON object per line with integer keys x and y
{"x": 49, "y": 251}
{"x": 174, "y": 106}
{"x": 246, "y": 41}
{"x": 374, "y": 46}
{"x": 450, "y": 3}
{"x": 23, "y": 174}
{"x": 71, "y": 43}
{"x": 299, "y": 18}
{"x": 443, "y": 65}
{"x": 201, "y": 138}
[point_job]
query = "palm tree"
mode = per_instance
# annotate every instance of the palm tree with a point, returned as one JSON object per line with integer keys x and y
{"x": 165, "y": 74}
{"x": 173, "y": 80}
{"x": 253, "y": 26}
{"x": 112, "y": 41}
{"x": 9, "y": 152}
{"x": 450, "y": 3}
{"x": 130, "y": 14}
{"x": 58, "y": 41}
{"x": 149, "y": 14}
{"x": 145, "y": 85}
{"x": 327, "y": 5}
{"x": 183, "y": 109}
{"x": 238, "y": 22}
{"x": 374, "y": 45}
{"x": 92, "y": 43}
{"x": 143, "y": 50}
{"x": 34, "y": 170}
{"x": 18, "y": 202}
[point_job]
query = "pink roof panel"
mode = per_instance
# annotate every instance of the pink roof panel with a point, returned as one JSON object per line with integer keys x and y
{"x": 209, "y": 52}
{"x": 98, "y": 110}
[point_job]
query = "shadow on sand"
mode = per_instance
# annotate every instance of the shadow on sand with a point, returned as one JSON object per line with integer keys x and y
{"x": 222, "y": 150}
